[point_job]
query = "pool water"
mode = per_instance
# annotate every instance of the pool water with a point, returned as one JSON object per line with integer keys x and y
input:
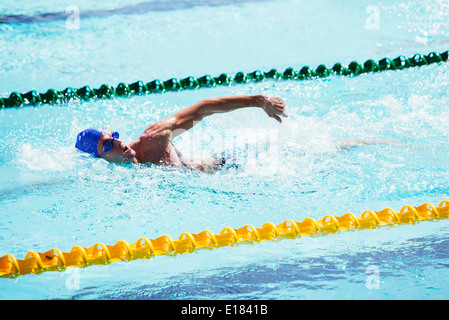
{"x": 54, "y": 197}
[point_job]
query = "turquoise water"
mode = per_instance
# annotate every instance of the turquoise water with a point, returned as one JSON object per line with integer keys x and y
{"x": 52, "y": 196}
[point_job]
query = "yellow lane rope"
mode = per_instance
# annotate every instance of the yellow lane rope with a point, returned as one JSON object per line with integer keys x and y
{"x": 144, "y": 248}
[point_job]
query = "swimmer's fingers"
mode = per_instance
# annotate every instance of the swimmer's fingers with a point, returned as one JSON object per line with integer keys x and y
{"x": 277, "y": 118}
{"x": 274, "y": 116}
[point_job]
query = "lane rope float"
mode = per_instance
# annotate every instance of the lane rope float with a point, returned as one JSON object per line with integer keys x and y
{"x": 106, "y": 91}
{"x": 144, "y": 248}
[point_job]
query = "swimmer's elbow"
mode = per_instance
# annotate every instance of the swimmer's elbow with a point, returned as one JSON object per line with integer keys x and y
{"x": 207, "y": 107}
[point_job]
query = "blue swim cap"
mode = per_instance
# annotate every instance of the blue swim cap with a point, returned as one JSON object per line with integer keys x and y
{"x": 87, "y": 140}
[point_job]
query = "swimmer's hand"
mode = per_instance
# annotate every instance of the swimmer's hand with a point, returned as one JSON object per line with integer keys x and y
{"x": 275, "y": 108}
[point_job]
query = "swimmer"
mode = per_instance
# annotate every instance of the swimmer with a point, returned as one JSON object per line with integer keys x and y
{"x": 154, "y": 145}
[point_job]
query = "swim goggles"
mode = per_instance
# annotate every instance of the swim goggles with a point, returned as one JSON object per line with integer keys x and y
{"x": 108, "y": 145}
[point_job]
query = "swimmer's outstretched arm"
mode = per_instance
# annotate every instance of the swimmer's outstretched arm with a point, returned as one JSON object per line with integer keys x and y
{"x": 273, "y": 106}
{"x": 190, "y": 116}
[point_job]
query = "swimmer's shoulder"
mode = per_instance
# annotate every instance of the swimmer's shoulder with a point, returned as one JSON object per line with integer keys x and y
{"x": 153, "y": 147}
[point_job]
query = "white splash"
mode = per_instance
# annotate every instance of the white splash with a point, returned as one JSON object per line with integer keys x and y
{"x": 43, "y": 158}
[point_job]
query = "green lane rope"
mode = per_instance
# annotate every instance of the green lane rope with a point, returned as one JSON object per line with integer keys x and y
{"x": 106, "y": 91}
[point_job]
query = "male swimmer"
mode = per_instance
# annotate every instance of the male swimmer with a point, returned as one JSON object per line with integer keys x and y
{"x": 154, "y": 145}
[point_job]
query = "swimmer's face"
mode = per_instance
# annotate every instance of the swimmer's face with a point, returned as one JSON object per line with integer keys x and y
{"x": 120, "y": 152}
